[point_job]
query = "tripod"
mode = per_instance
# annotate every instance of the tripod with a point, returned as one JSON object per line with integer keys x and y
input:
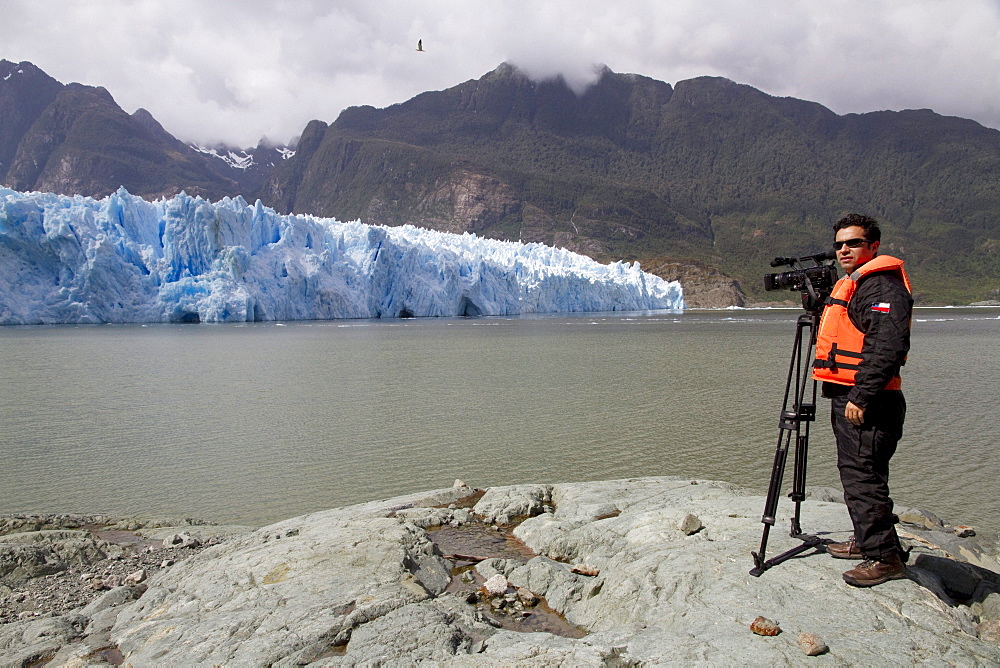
{"x": 794, "y": 423}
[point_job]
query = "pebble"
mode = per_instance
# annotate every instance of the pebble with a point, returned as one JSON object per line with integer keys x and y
{"x": 763, "y": 626}
{"x": 528, "y": 598}
{"x": 691, "y": 524}
{"x": 496, "y": 585}
{"x": 136, "y": 577}
{"x": 811, "y": 644}
{"x": 183, "y": 539}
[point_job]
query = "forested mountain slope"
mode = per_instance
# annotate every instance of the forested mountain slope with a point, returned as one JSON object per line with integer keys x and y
{"x": 709, "y": 170}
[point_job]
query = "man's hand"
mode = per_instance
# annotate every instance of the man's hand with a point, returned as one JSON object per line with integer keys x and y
{"x": 855, "y": 414}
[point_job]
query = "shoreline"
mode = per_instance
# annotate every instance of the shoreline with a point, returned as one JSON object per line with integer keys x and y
{"x": 569, "y": 555}
{"x": 757, "y": 306}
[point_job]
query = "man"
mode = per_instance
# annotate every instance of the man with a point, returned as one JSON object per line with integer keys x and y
{"x": 862, "y": 342}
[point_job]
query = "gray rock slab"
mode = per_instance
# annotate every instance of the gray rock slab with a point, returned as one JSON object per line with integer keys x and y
{"x": 35, "y": 641}
{"x": 286, "y": 588}
{"x": 364, "y": 586}
{"x": 505, "y": 504}
{"x": 31, "y": 554}
{"x": 430, "y": 631}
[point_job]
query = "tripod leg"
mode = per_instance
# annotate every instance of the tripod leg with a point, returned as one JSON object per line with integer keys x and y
{"x": 806, "y": 414}
{"x": 798, "y": 493}
{"x": 777, "y": 476}
{"x": 759, "y": 565}
{"x": 791, "y": 426}
{"x": 773, "y": 494}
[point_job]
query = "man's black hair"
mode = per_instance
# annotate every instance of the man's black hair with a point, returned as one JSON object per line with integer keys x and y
{"x": 867, "y": 223}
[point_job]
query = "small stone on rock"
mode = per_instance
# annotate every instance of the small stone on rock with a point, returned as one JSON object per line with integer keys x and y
{"x": 528, "y": 598}
{"x": 137, "y": 577}
{"x": 963, "y": 531}
{"x": 763, "y": 626}
{"x": 183, "y": 539}
{"x": 583, "y": 569}
{"x": 811, "y": 644}
{"x": 496, "y": 585}
{"x": 690, "y": 524}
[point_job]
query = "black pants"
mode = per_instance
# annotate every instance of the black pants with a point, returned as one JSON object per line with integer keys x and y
{"x": 863, "y": 454}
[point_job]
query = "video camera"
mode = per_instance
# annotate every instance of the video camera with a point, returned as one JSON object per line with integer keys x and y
{"x": 814, "y": 280}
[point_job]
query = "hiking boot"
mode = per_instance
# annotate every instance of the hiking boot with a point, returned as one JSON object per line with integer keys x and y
{"x": 846, "y": 550}
{"x": 871, "y": 572}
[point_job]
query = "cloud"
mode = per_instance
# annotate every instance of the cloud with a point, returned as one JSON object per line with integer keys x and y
{"x": 236, "y": 70}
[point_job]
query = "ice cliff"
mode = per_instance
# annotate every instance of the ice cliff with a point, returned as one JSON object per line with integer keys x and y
{"x": 123, "y": 259}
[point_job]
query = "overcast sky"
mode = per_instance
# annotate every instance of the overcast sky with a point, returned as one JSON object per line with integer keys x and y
{"x": 237, "y": 70}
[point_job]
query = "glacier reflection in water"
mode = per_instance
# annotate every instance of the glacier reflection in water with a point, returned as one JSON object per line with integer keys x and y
{"x": 257, "y": 422}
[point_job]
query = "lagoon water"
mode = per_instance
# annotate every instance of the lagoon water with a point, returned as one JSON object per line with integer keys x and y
{"x": 259, "y": 422}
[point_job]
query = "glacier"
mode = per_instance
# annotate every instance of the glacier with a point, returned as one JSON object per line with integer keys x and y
{"x": 122, "y": 259}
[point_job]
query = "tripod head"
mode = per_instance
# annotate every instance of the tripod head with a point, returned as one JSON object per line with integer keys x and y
{"x": 812, "y": 275}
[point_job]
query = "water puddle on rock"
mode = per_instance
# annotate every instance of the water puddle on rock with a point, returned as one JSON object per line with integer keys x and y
{"x": 121, "y": 537}
{"x": 517, "y": 610}
{"x": 480, "y": 542}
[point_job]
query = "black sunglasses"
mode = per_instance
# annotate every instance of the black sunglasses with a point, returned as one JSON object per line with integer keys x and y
{"x": 850, "y": 243}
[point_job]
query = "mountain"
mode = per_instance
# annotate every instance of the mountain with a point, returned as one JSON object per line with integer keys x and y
{"x": 23, "y": 98}
{"x": 634, "y": 168}
{"x": 708, "y": 179}
{"x": 74, "y": 139}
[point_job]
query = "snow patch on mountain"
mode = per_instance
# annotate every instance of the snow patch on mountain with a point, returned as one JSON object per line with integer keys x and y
{"x": 233, "y": 158}
{"x": 239, "y": 158}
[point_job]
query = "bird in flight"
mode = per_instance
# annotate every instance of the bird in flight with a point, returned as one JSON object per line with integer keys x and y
{"x": 420, "y": 45}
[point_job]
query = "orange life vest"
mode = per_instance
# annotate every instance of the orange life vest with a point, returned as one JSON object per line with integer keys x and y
{"x": 839, "y": 342}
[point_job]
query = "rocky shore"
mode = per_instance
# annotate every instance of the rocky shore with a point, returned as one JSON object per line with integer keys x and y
{"x": 627, "y": 572}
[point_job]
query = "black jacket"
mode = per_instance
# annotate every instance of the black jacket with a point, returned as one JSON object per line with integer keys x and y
{"x": 887, "y": 335}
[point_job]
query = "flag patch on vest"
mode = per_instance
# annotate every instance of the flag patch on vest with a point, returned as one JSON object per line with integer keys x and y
{"x": 881, "y": 307}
